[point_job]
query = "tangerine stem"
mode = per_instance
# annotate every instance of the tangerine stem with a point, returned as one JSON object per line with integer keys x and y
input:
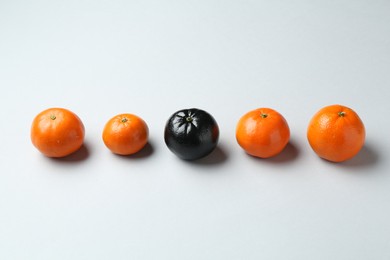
{"x": 341, "y": 114}
{"x": 124, "y": 120}
{"x": 264, "y": 115}
{"x": 53, "y": 117}
{"x": 189, "y": 119}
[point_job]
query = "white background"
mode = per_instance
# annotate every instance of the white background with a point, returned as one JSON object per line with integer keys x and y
{"x": 152, "y": 58}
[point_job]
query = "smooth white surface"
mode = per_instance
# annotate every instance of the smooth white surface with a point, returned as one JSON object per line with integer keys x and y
{"x": 151, "y": 58}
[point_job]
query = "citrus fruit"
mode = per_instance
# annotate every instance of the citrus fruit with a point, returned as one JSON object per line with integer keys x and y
{"x": 336, "y": 133}
{"x": 125, "y": 134}
{"x": 262, "y": 132}
{"x": 191, "y": 133}
{"x": 57, "y": 132}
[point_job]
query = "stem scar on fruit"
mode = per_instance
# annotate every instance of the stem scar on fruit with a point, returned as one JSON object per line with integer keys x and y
{"x": 53, "y": 117}
{"x": 341, "y": 114}
{"x": 264, "y": 115}
{"x": 124, "y": 120}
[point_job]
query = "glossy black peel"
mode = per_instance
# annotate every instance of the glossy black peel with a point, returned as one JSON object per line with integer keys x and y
{"x": 191, "y": 133}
